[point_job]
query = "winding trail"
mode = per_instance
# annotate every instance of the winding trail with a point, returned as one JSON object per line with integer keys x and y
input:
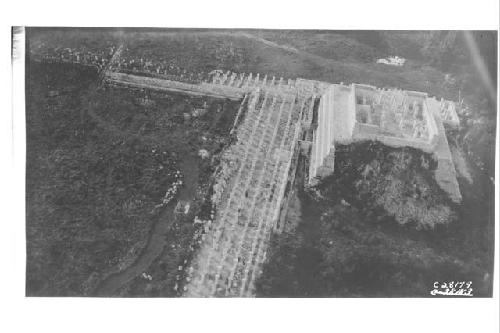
{"x": 116, "y": 56}
{"x": 157, "y": 236}
{"x": 159, "y": 231}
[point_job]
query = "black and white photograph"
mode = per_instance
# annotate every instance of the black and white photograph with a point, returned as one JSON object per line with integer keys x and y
{"x": 237, "y": 163}
{"x": 259, "y": 163}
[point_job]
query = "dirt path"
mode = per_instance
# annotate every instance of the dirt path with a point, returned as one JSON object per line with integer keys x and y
{"x": 332, "y": 70}
{"x": 116, "y": 56}
{"x": 158, "y": 235}
{"x": 152, "y": 250}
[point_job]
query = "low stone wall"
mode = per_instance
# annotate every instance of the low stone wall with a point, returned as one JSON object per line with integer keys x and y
{"x": 344, "y": 115}
{"x": 432, "y": 129}
{"x": 366, "y": 130}
{"x": 173, "y": 86}
{"x": 323, "y": 139}
{"x": 445, "y": 174}
{"x": 370, "y": 132}
{"x": 351, "y": 119}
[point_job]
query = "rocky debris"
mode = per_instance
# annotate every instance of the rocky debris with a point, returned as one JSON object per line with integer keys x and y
{"x": 172, "y": 190}
{"x": 400, "y": 181}
{"x": 203, "y": 153}
{"x": 393, "y": 61}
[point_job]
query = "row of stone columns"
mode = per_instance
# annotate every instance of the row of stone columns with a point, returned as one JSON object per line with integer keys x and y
{"x": 251, "y": 80}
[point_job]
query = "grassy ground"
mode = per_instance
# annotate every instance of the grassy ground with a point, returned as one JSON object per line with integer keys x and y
{"x": 84, "y": 211}
{"x": 98, "y": 162}
{"x": 327, "y": 56}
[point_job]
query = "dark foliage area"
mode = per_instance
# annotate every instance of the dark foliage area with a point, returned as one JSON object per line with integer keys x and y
{"x": 350, "y": 245}
{"x": 395, "y": 180}
{"x": 90, "y": 192}
{"x": 99, "y": 161}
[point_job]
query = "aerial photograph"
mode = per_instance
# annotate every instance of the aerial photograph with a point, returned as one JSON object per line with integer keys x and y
{"x": 169, "y": 162}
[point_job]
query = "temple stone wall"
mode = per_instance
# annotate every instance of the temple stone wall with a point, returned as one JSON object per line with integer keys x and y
{"x": 323, "y": 138}
{"x": 338, "y": 124}
{"x": 445, "y": 174}
{"x": 351, "y": 107}
{"x": 431, "y": 124}
{"x": 343, "y": 115}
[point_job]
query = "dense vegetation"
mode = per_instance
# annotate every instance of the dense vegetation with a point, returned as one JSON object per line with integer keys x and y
{"x": 400, "y": 182}
{"x": 90, "y": 192}
{"x": 380, "y": 226}
{"x": 99, "y": 162}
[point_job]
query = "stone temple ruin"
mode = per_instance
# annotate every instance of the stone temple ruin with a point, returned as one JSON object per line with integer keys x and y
{"x": 394, "y": 117}
{"x": 278, "y": 120}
